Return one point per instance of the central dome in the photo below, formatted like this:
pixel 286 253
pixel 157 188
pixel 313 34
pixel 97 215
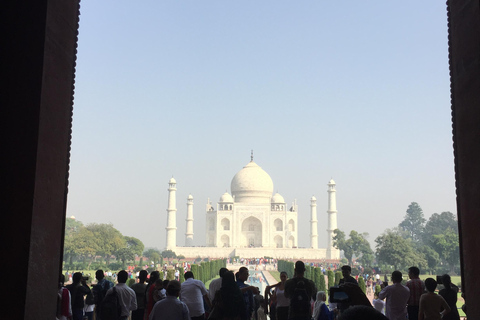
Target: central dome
pixel 252 184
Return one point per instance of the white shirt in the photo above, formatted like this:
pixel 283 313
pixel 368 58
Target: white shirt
pixel 192 292
pixel 126 298
pixel 379 305
pixel 397 297
pixel 215 285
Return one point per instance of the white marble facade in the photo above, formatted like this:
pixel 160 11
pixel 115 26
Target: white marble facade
pixel 250 221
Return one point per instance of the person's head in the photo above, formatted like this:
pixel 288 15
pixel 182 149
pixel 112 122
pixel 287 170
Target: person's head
pixel 321 296
pixel 447 281
pixel 396 276
pixel 413 272
pixel 188 275
pixel 283 276
pixel 165 283
pixel 362 313
pixel 142 276
pixel 154 276
pixel 222 271
pixel 430 284
pixel 237 275
pixel 99 274
pixel 159 284
pixel 299 268
pixel 173 288
pixel 243 274
pixel 346 271
pixel 228 279
pixel 122 276
pixel 77 277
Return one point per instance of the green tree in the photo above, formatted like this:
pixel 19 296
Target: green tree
pixel 413 223
pixel 331 278
pixel 393 249
pixel 338 277
pixel 438 223
pixel 342 243
pixel 447 246
pixel 169 254
pixel 135 245
pixel 361 284
pixel 357 244
pixel 125 254
pixel 109 239
pixel 153 254
pixel 72 225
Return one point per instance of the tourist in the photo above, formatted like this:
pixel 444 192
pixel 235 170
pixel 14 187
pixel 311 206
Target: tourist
pixel 139 289
pixel 397 297
pixel 229 303
pixel 154 276
pixel 64 305
pixel 432 305
pixel 100 290
pixel 346 271
pixel 78 290
pixel 282 302
pixel 378 304
pixel 292 287
pixel 170 308
pixel 247 290
pixel 193 293
pixel 126 296
pixel 216 284
pixel 417 288
pixel 449 293
pixel 320 309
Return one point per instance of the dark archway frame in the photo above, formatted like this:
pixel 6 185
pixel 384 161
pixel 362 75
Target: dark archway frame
pixel 37 66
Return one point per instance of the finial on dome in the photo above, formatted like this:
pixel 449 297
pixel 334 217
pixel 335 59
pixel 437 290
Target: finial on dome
pixel 251 156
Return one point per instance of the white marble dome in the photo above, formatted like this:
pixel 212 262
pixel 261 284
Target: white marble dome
pixel 252 184
pixel 277 198
pixel 226 197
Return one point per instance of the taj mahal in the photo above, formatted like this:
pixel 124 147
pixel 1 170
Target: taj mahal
pixel 252 222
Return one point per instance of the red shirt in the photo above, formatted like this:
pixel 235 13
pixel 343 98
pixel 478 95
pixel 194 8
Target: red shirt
pixel 417 288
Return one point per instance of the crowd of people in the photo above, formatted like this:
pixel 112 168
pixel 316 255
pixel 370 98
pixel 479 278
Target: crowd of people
pixel 230 297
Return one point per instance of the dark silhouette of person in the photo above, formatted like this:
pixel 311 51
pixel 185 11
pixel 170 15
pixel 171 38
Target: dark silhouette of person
pixel 449 293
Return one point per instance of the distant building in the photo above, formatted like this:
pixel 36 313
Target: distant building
pixel 251 222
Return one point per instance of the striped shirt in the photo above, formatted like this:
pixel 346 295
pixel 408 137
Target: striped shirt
pixel 417 288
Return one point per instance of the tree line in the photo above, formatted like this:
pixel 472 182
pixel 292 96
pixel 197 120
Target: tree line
pixel 431 245
pixel 86 244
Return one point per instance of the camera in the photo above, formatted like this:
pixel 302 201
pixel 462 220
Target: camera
pixel 85 278
pixel 439 280
pixel 338 295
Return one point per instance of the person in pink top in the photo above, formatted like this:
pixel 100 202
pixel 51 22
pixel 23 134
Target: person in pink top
pixel 417 288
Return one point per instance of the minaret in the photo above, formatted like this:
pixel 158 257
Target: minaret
pixel 313 223
pixel 189 232
pixel 332 253
pixel 171 216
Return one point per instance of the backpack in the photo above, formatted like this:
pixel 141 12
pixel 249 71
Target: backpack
pixel 89 299
pixel 300 301
pixel 110 308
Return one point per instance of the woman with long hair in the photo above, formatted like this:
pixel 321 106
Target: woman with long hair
pixel 228 303
pixel 278 296
pixel 449 293
pixel 154 276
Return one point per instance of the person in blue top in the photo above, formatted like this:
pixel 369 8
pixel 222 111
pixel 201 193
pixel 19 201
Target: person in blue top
pixel 320 309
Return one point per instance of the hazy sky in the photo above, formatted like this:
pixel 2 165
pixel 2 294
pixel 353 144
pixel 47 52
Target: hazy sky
pixel 351 90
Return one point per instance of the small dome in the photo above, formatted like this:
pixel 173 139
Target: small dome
pixel 226 197
pixel 313 198
pixel 331 181
pixel 172 181
pixel 277 198
pixel 190 197
pixel 252 184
